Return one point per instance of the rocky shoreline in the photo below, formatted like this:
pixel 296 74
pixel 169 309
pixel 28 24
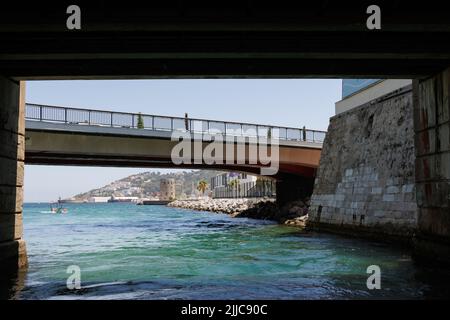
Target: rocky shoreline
pixel 294 213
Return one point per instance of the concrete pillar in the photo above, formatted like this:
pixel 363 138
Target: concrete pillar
pixel 432 140
pixel 12 141
pixel 292 188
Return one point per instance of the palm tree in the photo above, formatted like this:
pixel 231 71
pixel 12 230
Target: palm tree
pixel 235 186
pixel 202 186
pixel 233 183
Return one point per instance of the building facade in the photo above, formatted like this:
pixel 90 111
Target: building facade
pixel 99 199
pixel 241 185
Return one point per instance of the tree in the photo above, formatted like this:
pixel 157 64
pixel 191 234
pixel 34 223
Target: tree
pixel 140 121
pixel 202 186
pixel 233 183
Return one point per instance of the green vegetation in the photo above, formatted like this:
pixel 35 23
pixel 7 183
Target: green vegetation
pixel 233 183
pixel 140 121
pixel 202 186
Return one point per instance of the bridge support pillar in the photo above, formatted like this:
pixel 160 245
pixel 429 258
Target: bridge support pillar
pixel 12 141
pixel 432 140
pixel 292 188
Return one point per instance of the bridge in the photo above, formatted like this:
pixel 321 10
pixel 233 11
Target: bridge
pixel 226 39
pixel 72 136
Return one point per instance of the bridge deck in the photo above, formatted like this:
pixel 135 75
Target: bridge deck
pixel 68 136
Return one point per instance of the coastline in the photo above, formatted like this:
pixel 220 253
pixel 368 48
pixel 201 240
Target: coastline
pixel 293 214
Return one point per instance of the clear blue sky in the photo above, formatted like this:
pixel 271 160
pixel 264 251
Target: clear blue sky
pixel 295 103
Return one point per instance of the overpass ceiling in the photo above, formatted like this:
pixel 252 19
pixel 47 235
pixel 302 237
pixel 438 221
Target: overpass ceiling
pixel 223 39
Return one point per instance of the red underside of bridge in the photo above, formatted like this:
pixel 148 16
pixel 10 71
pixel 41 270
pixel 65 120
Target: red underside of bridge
pixel 45 158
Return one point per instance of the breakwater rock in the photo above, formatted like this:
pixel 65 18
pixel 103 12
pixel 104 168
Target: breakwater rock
pixel 294 213
pixel 228 206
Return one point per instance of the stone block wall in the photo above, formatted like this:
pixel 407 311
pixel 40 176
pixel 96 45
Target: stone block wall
pixel 432 126
pixel 366 182
pixel 12 156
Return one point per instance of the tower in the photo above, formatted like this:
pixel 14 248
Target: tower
pixel 167 189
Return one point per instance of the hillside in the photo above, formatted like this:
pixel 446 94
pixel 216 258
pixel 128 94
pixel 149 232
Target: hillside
pixel 146 184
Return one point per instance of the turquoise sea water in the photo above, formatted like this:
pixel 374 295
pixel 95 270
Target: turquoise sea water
pixel 126 251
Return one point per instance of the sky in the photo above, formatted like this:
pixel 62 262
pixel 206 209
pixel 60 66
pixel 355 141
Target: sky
pixel 283 102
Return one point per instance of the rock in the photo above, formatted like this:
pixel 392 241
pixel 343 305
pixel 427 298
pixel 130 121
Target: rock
pixel 298 222
pixel 294 213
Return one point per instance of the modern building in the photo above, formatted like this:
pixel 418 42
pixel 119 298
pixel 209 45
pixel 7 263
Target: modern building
pixel 356 92
pixel 98 199
pixel 241 185
pixel 224 179
pixel 123 199
pixel 167 188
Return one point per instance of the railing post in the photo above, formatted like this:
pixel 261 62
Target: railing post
pixel 65 115
pixel 132 121
pixel 111 119
pixel 153 122
pixel 89 117
pixel 304 133
pixel 40 113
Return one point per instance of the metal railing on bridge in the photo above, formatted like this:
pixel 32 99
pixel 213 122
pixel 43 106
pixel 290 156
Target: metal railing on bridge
pixel 254 189
pixel 79 116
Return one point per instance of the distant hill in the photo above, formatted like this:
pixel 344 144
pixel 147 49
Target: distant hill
pixel 145 185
